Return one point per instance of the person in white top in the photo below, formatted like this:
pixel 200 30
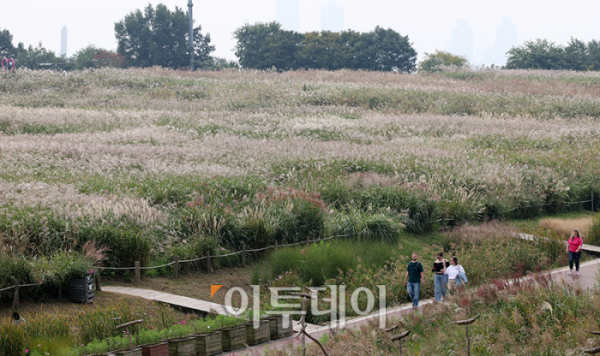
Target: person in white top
pixel 452 271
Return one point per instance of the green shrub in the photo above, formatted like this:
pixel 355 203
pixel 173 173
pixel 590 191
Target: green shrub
pixel 14 269
pixel 127 243
pixel 366 226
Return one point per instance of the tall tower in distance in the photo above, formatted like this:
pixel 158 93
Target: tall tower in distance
pixel 63 41
pixel 462 41
pixel 332 17
pixel 288 14
pixel 507 37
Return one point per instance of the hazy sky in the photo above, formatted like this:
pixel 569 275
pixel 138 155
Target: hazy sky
pixel 428 23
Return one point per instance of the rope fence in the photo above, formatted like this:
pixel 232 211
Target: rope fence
pixel 137 268
pixel 244 252
pixel 20 285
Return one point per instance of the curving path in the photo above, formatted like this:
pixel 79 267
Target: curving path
pixel 586 279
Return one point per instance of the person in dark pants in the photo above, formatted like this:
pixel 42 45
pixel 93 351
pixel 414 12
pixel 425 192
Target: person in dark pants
pixel 414 274
pixel 575 245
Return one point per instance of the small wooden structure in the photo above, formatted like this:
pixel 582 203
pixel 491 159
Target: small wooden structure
pixel 593 350
pixel 466 324
pixel 398 337
pixel 126 327
pixel 82 290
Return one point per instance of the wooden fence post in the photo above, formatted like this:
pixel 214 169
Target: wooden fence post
pixel 137 272
pixel 208 264
pixel 97 281
pixel 15 306
pixel 276 246
pixel 244 256
pixel 307 241
pixel 176 267
pixel 466 324
pixel 592 200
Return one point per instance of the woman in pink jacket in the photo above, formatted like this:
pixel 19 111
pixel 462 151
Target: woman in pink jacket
pixel 575 245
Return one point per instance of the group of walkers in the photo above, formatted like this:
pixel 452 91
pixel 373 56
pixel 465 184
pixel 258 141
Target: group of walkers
pixel 448 275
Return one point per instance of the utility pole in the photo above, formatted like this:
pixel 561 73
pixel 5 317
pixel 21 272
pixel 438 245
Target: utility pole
pixel 191 31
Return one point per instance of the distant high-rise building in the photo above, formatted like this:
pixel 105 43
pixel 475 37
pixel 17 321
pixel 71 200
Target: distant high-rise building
pixel 507 36
pixel 63 41
pixel 462 41
pixel 288 14
pixel 332 17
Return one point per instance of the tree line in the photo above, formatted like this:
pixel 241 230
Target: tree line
pixel 267 45
pixel 158 36
pixel 543 54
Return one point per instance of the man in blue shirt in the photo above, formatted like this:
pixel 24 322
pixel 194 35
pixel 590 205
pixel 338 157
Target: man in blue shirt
pixel 414 274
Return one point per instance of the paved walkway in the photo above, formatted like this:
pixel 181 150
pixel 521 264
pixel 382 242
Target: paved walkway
pixel 586 279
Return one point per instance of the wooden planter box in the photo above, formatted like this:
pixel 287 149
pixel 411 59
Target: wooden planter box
pixel 260 335
pixel 234 338
pixel 82 290
pixel 277 330
pixel 136 352
pixel 209 344
pixel 182 347
pixel 161 349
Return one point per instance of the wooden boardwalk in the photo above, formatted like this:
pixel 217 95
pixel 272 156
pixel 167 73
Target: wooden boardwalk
pixel 586 247
pixel 176 301
pixel 183 303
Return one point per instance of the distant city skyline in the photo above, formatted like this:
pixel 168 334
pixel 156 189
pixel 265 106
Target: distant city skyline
pixel 332 17
pixel 461 42
pixel 427 24
pixel 288 14
pixel 507 36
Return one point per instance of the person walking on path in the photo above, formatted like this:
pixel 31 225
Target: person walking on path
pixel 414 274
pixel 452 272
pixel 439 268
pixel 575 245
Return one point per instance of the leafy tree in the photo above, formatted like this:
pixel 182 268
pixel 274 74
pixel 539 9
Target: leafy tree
pixel 385 50
pixel 594 55
pixel 539 54
pixel 6 47
pixel 434 62
pixel 34 57
pixel 323 50
pixel 267 45
pixel 108 59
pixel 84 58
pixel 263 46
pixel 159 37
pixel 576 55
pixel 216 63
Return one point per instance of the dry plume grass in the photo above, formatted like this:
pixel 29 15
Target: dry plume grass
pixel 566 226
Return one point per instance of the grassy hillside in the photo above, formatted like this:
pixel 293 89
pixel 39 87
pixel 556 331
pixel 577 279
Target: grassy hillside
pixel 156 163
